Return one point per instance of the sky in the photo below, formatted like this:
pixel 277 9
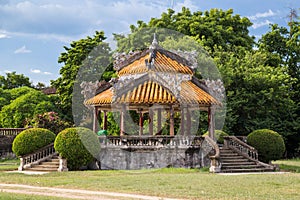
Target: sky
pixel 34 32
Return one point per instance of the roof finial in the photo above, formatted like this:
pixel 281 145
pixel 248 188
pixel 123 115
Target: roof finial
pixel 154 42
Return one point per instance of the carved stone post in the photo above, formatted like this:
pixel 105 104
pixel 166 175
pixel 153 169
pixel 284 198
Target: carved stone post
pixel 21 167
pixel 63 166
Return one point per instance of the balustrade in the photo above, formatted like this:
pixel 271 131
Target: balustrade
pixel 38 156
pixel 238 145
pixel 11 131
pixel 151 141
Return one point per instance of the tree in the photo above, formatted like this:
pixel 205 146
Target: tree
pixel 210 28
pixel 25 107
pixel 282 44
pixel 13 80
pixel 85 59
pixel 259 95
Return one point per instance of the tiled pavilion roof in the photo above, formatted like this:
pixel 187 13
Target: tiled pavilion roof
pixel 141 83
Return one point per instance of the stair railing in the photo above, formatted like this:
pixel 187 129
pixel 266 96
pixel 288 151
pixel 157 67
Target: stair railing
pixel 234 143
pixel 243 149
pixel 215 164
pixel 36 157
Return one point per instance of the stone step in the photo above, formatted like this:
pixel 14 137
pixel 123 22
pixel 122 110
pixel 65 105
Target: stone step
pixel 232 157
pixel 49 163
pixel 246 170
pixel 241 166
pixel 228 154
pixel 238 163
pixel 234 160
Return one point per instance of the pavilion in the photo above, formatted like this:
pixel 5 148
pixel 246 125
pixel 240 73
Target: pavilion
pixel 154 76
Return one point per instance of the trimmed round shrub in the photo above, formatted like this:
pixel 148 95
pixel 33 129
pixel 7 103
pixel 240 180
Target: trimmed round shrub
pixel 219 136
pixel 30 140
pixel 268 143
pixel 78 145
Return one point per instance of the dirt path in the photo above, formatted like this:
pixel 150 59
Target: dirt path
pixel 72 193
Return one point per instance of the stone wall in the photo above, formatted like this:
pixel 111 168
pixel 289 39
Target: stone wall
pixel 147 158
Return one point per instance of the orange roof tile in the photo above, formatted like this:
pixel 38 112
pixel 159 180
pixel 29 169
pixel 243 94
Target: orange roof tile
pixel 162 63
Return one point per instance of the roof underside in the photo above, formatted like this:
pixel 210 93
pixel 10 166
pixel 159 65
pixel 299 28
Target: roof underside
pixel 151 92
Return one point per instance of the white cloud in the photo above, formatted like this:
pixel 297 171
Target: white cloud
pixel 37 71
pixel 269 13
pixel 260 24
pixel 22 49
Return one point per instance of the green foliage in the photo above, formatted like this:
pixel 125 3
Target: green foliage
pixel 50 121
pixel 13 80
pixel 30 140
pixel 211 28
pixel 268 143
pixel 219 135
pixel 78 145
pixel 25 107
pixel 85 60
pixel 255 92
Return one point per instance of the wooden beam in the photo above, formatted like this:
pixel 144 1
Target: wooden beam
pixel 104 120
pixel 151 122
pixel 182 122
pixel 158 120
pixel 211 123
pixel 188 122
pixel 141 123
pixel 171 120
pixel 95 120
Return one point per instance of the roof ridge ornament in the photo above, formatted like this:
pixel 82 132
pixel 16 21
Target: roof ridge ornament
pixel 152 53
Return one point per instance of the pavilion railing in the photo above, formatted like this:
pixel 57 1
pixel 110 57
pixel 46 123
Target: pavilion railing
pixel 151 141
pixel 11 131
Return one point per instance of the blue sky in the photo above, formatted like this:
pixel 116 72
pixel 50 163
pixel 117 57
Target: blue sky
pixel 33 32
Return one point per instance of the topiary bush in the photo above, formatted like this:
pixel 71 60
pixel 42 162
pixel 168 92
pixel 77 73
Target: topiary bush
pixel 78 145
pixel 219 135
pixel 268 143
pixel 30 140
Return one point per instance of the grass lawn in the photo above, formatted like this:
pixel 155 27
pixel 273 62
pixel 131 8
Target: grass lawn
pixel 292 165
pixel 177 183
pixel 13 196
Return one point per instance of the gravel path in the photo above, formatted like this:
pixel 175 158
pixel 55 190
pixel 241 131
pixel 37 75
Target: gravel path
pixel 72 193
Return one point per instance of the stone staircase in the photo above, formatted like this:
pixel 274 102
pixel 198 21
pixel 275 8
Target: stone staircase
pixel 49 165
pixel 232 162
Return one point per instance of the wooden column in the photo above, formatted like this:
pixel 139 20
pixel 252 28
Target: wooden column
pixel 104 120
pixel 171 121
pixel 141 123
pixel 188 122
pixel 182 122
pixel 95 120
pixel 150 121
pixel 211 123
pixel 122 122
pixel 158 120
